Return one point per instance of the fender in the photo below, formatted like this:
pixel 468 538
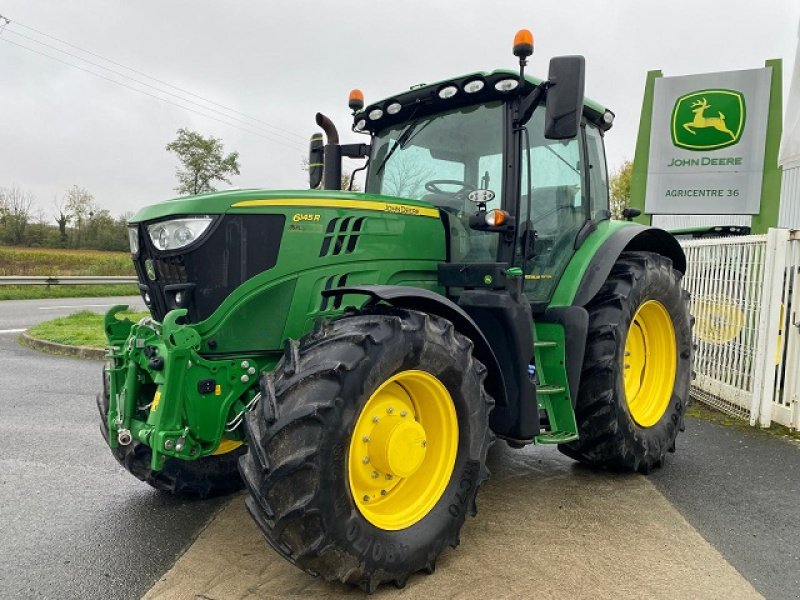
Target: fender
pixel 634 237
pixel 426 301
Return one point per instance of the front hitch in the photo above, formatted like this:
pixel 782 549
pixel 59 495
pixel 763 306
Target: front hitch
pixel 162 393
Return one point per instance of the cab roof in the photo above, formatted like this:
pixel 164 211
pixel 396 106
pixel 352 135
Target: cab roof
pixel 428 95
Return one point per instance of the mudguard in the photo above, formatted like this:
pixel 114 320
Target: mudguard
pixel 427 301
pixel 635 237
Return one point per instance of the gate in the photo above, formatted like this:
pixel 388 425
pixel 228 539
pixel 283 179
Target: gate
pixel 745 298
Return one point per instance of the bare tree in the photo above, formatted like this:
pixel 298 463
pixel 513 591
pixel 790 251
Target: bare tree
pixel 405 177
pixel 80 204
pixel 15 214
pixel 62 218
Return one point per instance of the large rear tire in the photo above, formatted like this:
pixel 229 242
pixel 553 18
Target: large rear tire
pixel 205 477
pixel 368 446
pixel 637 367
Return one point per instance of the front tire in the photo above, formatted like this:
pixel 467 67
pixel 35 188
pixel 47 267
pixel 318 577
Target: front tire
pixel 368 446
pixel 206 477
pixel 637 367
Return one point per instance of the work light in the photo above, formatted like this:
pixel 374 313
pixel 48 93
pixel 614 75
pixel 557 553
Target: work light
pixel 506 85
pixel 133 239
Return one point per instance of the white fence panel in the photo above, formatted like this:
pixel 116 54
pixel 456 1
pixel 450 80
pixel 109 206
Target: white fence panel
pixel 724 278
pixel 745 297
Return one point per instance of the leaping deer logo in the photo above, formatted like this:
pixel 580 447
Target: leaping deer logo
pixel 700 121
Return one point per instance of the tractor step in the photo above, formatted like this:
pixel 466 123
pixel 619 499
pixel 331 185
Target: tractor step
pixel 555 437
pixel 544 344
pixel 550 389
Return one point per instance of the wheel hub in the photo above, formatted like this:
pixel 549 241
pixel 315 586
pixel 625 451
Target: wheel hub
pixel 397 446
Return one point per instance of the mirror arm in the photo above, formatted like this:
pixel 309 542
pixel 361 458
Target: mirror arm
pixel 355 150
pixel 529 102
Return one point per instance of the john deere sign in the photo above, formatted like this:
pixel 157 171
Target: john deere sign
pixel 707 143
pixel 708 119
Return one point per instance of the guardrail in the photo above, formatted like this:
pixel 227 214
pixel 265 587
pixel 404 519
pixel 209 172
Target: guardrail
pixel 65 280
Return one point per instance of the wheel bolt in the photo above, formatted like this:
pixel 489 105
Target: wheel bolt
pixel 627 366
pixel 365 439
pixel 383 492
pixel 389 410
pixel 375 475
pixel 403 413
pixel 424 443
pixel 366 498
pixel 365 460
pixel 375 419
pixel 388 476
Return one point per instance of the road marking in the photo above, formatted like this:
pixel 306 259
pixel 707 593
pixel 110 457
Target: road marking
pixel 73 306
pixel 12 330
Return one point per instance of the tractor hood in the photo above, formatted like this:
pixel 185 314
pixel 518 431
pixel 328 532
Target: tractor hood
pixel 217 203
pixel 247 251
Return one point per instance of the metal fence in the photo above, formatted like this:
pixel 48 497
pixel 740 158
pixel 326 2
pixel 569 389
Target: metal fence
pixel 745 301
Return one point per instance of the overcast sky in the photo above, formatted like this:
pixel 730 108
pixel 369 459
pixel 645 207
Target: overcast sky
pixel 281 61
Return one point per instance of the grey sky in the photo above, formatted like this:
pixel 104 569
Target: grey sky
pixel 282 61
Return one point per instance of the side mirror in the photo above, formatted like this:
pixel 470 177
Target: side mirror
pixel 564 97
pixel 629 214
pixel 527 242
pixel 315 161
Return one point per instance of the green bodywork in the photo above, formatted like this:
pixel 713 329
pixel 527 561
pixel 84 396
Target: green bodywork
pixel 164 409
pixel 182 388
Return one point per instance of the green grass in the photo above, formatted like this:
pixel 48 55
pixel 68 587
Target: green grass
pixel 82 328
pixel 699 410
pixel 15 260
pixel 31 292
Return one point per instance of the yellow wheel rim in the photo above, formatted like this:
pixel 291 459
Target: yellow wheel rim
pixel 225 446
pixel 403 450
pixel 650 363
pixel 719 319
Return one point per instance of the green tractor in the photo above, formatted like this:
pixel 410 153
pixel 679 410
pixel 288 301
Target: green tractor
pixel 351 357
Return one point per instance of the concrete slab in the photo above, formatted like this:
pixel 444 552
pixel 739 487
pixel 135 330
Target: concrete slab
pixel 545 528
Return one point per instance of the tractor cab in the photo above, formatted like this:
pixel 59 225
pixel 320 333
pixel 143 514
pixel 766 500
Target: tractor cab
pixel 515 164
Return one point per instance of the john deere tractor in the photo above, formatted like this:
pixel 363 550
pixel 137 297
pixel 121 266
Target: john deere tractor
pixel 351 357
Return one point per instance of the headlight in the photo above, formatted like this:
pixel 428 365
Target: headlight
pixel 133 239
pixel 177 233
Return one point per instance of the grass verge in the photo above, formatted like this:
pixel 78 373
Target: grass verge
pixel 82 328
pixel 698 410
pixel 36 292
pixel 15 260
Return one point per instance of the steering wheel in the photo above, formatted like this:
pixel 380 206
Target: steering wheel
pixel 456 198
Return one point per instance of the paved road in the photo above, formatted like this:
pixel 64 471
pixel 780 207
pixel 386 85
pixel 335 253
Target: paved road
pixel 21 314
pixel 720 520
pixel 73 523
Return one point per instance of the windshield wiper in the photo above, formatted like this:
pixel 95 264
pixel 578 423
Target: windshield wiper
pixel 402 140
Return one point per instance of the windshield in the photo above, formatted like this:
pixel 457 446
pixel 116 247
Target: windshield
pixel 463 146
pixel 441 158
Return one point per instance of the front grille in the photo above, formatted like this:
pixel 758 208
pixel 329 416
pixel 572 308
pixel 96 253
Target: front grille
pixel 199 278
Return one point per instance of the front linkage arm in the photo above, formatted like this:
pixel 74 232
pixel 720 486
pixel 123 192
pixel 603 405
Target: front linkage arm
pixel 162 393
